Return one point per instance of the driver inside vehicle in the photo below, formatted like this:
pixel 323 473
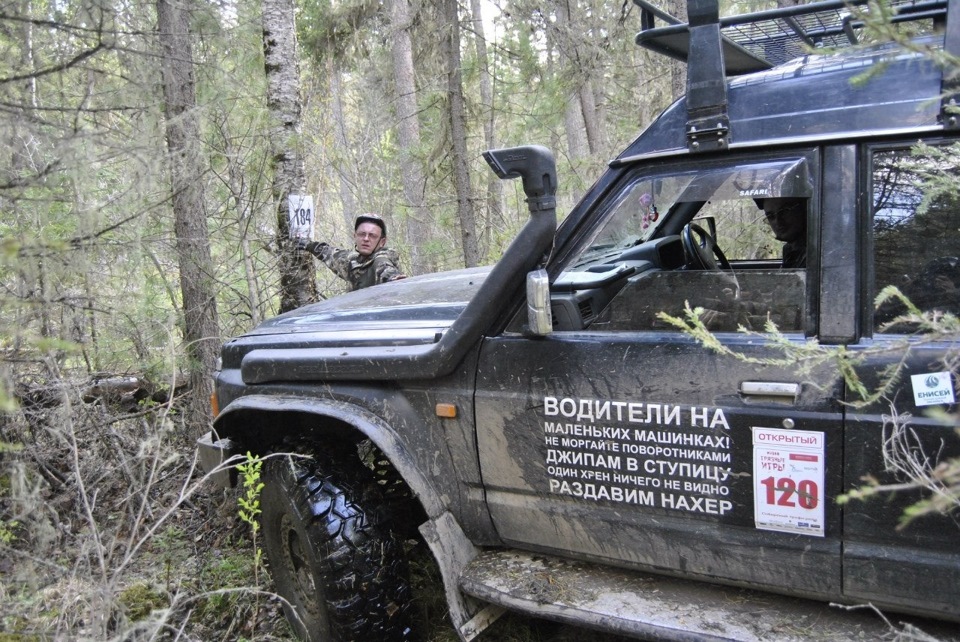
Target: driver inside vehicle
pixel 787 217
pixel 745 304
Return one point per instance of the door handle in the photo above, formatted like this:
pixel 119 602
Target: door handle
pixel 770 389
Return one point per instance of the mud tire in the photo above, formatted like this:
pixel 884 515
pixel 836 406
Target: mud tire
pixel 339 567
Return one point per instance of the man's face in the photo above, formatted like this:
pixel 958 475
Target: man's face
pixel 787 218
pixel 368 238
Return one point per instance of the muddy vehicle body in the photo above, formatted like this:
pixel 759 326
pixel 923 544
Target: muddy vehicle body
pixel 567 452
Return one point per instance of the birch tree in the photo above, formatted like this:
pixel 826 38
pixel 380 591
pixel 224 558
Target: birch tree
pixel 298 285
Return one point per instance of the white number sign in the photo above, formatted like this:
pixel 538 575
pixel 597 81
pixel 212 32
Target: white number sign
pixel 301 215
pixel 788 470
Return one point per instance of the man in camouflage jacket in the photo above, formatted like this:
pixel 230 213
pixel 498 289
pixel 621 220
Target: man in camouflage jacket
pixel 369 263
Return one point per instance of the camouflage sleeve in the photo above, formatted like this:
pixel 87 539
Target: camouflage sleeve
pixel 337 260
pixel 387 266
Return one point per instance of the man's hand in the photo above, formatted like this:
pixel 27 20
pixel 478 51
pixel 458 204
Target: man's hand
pixel 313 247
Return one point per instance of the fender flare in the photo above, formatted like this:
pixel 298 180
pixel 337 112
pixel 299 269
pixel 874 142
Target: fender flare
pixel 362 420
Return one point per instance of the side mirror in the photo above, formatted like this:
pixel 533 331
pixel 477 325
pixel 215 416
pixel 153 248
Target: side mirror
pixel 539 317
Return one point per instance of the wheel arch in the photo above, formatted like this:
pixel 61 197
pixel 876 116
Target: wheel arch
pixel 251 422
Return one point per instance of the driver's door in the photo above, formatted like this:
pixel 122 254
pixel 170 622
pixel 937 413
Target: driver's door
pixel 624 440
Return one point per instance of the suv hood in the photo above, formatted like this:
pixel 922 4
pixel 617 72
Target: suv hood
pixel 431 300
pixel 412 311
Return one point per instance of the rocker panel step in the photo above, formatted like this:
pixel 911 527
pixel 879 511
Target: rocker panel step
pixel 654 607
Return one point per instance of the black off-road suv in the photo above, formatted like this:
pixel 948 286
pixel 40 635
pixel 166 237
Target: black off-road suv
pixel 566 451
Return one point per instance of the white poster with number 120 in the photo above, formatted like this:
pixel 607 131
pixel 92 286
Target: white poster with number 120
pixel 788 492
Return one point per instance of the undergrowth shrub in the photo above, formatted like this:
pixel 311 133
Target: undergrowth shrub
pixel 109 531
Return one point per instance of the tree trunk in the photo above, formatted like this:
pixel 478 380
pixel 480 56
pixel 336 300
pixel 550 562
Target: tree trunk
pixel 345 177
pixel 408 135
pixel 458 135
pixel 591 120
pixel 201 333
pixel 578 147
pixel 600 111
pixel 494 191
pixel 298 283
pixel 578 144
pixel 678 70
pixel 576 64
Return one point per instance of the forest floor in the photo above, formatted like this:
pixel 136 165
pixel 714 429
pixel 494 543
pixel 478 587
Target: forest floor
pixel 109 531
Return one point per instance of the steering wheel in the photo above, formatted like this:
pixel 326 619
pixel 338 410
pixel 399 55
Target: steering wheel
pixel 700 250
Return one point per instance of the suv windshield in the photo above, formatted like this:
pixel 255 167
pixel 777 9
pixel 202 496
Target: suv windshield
pixel 641 210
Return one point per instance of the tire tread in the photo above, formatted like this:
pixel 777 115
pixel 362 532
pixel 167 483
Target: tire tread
pixel 361 563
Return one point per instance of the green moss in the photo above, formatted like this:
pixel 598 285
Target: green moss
pixel 21 629
pixel 139 600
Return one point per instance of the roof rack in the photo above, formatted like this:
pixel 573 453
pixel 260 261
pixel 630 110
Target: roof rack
pixel 764 39
pixel 716 47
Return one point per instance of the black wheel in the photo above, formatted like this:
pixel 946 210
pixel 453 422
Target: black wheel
pixel 700 250
pixel 342 571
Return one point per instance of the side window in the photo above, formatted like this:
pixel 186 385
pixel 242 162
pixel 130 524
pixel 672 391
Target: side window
pixel 916 230
pixel 730 240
